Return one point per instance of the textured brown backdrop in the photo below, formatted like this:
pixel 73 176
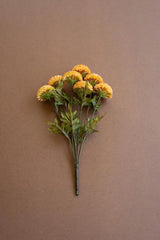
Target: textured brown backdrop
pixel 120 169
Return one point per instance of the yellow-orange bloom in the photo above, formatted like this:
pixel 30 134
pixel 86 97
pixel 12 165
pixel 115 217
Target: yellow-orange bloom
pixel 82 84
pixel 83 69
pixel 72 75
pixel 105 88
pixel 93 78
pixel 42 90
pixel 54 80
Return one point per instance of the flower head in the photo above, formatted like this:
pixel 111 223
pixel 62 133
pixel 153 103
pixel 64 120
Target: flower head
pixel 105 88
pixel 82 88
pixel 54 80
pixel 93 78
pixel 83 69
pixel 72 77
pixel 83 84
pixel 44 89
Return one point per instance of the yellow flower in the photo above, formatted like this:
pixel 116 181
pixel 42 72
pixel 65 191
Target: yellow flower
pixel 53 80
pixel 83 69
pixel 82 84
pixel 42 90
pixel 105 88
pixel 93 78
pixel 72 75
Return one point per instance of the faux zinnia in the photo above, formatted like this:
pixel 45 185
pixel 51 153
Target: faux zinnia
pixel 44 90
pixel 83 69
pixel 82 84
pixel 76 112
pixel 104 88
pixel 54 80
pixel 93 78
pixel 72 77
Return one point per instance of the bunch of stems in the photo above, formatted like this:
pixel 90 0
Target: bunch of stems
pixel 75 145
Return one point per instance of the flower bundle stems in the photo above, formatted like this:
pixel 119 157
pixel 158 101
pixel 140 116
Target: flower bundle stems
pixel 87 90
pixel 77 179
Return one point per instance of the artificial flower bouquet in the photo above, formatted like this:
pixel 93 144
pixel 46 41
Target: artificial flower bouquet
pixel 76 98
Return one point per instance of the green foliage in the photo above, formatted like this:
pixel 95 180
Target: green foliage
pixel 60 97
pixel 84 74
pixel 69 122
pixel 59 84
pixel 86 102
pixel 89 127
pixel 93 83
pixel 73 119
pixel 76 100
pixel 94 101
pixel 54 126
pixel 71 80
pixel 79 92
pixel 102 94
pixel 48 95
pixel 92 124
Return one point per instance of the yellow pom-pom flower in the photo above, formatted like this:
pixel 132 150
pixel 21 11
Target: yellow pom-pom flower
pixel 104 87
pixel 42 90
pixel 83 69
pixel 93 78
pixel 72 76
pixel 82 84
pixel 54 80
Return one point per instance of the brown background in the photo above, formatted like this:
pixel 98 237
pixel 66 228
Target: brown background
pixel 120 170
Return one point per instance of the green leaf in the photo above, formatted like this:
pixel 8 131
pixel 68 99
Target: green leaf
pixel 92 124
pixel 56 128
pixel 101 93
pixel 94 101
pixel 76 101
pixel 53 126
pixel 69 107
pixel 87 102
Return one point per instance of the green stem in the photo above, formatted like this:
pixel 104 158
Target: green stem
pixel 95 109
pixel 73 150
pixel 73 134
pixel 81 112
pixel 80 119
pixel 87 111
pixel 63 132
pixel 76 169
pixel 86 115
pixel 77 179
pixel 81 146
pixel 54 108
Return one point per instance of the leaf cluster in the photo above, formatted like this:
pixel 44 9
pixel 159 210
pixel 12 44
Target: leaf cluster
pixel 68 123
pixel 89 128
pixel 92 102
